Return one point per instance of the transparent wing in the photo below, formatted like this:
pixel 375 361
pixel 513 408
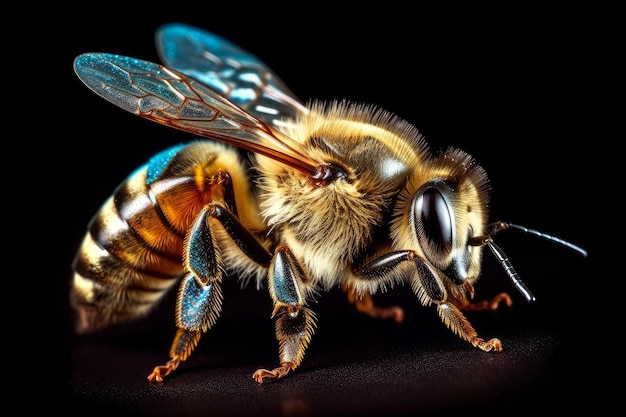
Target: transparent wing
pixel 169 97
pixel 230 70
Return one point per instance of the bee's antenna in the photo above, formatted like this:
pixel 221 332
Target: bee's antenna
pixel 510 271
pixel 494 228
pixel 547 237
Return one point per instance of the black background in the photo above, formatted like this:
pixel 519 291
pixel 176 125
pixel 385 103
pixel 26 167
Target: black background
pixel 498 85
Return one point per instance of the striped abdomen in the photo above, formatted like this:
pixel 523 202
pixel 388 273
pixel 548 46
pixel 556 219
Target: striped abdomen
pixel 133 250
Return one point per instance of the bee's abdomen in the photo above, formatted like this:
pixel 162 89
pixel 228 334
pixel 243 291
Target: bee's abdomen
pixel 132 252
pixel 108 290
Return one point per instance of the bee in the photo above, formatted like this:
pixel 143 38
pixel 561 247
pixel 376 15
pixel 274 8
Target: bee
pixel 299 198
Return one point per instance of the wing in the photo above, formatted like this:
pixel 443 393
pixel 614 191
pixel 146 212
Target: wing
pixel 230 70
pixel 169 97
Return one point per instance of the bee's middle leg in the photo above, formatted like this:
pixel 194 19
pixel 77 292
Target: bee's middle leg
pixel 295 323
pixel 364 303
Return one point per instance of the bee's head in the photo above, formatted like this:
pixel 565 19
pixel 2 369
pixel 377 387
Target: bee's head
pixel 442 207
pixel 442 215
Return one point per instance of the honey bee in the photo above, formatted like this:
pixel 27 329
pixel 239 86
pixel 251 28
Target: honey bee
pixel 299 198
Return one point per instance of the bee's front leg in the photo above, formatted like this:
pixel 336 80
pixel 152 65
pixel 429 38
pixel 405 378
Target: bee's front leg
pixel 427 286
pixel 369 277
pixel 295 323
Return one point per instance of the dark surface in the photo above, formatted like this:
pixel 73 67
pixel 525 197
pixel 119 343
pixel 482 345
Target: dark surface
pixel 354 365
pixel 492 88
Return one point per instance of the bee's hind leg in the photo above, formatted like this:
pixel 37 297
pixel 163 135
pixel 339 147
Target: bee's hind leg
pixel 197 309
pixel 199 300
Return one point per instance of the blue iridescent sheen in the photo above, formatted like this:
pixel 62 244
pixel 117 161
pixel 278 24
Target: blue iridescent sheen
pixel 160 161
pixel 233 72
pixel 183 47
pixel 201 249
pixel 196 303
pixel 285 286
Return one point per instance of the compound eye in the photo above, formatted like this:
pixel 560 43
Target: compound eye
pixel 436 221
